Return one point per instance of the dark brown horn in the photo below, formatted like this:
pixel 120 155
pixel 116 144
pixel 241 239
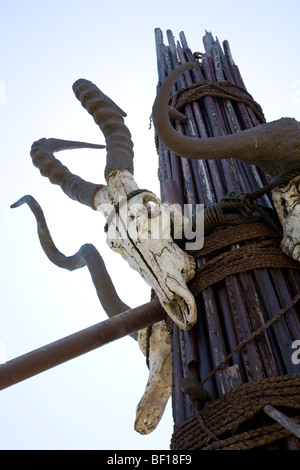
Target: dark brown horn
pixel 75 187
pixel 275 146
pixel 87 256
pixel 109 118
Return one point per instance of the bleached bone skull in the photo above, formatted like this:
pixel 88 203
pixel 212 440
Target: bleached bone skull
pixel 141 234
pixel 287 204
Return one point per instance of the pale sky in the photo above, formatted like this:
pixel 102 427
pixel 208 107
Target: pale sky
pixel 90 402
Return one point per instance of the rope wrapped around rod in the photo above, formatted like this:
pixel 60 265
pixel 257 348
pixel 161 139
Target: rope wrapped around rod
pixel 225 416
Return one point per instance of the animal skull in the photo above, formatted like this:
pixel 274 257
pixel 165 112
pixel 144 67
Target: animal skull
pixel 130 232
pixel 140 234
pixel 287 204
pixel 163 265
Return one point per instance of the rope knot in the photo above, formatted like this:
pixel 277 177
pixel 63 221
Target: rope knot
pixel 238 201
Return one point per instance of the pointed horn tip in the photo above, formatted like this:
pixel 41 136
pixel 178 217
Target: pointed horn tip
pixel 23 200
pixel 55 145
pixel 19 202
pixel 16 204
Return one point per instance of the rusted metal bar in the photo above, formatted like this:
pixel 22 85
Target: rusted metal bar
pixel 179 400
pixel 291 318
pixel 216 340
pixel 281 336
pixel 58 352
pixel 256 321
pixel 282 419
pixel 185 370
pixel 231 335
pixel 204 353
pixel 249 356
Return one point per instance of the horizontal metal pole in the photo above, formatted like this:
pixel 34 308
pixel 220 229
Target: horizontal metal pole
pixel 93 337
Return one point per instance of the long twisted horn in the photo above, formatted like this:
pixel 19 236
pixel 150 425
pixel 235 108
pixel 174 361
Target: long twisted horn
pixel 274 146
pixel 109 118
pixel 75 187
pixel 87 255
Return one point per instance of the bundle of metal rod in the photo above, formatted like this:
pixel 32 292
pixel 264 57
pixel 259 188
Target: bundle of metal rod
pixel 229 311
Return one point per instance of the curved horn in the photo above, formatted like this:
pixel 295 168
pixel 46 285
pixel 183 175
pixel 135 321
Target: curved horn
pixel 75 187
pixel 109 118
pixel 87 256
pixel 274 146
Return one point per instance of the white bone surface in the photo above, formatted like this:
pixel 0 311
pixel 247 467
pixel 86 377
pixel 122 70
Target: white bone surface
pixel 159 386
pixel 287 204
pixel 147 245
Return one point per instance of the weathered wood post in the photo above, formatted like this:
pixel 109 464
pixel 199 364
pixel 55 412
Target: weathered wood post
pixel 237 360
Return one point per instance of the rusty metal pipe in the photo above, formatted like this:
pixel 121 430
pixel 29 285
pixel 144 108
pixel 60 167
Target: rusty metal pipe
pixel 178 397
pixel 93 337
pixel 282 419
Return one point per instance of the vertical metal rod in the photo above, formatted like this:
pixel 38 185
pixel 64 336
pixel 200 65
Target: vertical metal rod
pixel 228 312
